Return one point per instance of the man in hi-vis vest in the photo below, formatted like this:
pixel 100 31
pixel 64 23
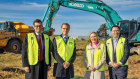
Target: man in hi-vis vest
pixel 64 53
pixel 118 51
pixel 36 57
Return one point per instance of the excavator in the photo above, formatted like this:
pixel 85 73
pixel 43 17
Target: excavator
pixel 128 29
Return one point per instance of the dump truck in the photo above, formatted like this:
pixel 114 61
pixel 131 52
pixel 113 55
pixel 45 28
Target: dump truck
pixel 12 35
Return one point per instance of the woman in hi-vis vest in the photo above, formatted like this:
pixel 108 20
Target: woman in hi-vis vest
pixel 94 58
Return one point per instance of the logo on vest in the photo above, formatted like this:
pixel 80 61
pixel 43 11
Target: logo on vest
pixel 99 48
pixel 70 42
pixel 32 38
pixel 90 48
pixel 107 43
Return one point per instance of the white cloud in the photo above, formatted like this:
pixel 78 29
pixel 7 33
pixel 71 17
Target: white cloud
pixel 36 4
pixel 123 4
pixel 25 6
pixel 25 12
pixel 16 17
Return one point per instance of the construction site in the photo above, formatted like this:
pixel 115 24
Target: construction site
pixel 12 35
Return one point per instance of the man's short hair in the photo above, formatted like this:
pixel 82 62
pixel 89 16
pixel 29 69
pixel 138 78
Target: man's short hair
pixel 37 20
pixel 115 26
pixel 65 24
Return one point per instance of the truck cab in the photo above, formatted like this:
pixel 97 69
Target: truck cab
pixel 9 40
pixel 8 26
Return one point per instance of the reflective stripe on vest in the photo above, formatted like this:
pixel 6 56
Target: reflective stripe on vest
pixel 97 56
pixel 65 51
pixel 119 49
pixel 33 47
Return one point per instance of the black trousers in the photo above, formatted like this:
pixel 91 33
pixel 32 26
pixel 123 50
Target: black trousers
pixel 54 72
pixel 38 71
pixel 118 73
pixel 41 70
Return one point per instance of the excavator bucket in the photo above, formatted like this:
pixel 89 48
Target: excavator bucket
pixel 50 33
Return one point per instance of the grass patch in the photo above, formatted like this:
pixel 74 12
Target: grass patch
pixel 10 60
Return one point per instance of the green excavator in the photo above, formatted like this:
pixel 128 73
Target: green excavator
pixel 128 29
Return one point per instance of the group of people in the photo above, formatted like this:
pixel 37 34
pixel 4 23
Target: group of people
pixel 37 48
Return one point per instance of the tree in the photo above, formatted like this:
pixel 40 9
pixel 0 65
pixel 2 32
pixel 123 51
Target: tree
pixel 102 32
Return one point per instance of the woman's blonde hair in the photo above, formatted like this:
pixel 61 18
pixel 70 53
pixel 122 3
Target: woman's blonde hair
pixel 89 41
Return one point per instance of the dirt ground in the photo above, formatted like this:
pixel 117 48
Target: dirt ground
pixel 11 65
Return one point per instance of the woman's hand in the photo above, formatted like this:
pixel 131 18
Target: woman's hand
pixel 92 68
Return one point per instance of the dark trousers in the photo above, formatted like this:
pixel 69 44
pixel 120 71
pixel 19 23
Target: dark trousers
pixel 41 70
pixel 37 71
pixel 62 78
pixel 67 75
pixel 54 69
pixel 118 73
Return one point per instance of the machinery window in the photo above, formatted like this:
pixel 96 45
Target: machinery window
pixel 1 26
pixel 124 29
pixel 133 27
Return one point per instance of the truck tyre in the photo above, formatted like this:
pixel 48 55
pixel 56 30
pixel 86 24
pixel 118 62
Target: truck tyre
pixel 1 50
pixel 14 46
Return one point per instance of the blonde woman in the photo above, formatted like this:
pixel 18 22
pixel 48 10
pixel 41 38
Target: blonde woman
pixel 94 58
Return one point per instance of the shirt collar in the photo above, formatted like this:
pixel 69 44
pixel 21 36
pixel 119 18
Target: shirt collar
pixel 95 44
pixel 98 45
pixel 37 33
pixel 64 36
pixel 115 40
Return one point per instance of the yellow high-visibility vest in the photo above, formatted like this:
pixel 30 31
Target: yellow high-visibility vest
pixel 65 51
pixel 97 56
pixel 119 49
pixel 33 47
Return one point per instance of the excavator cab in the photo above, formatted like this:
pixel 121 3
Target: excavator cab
pixel 129 29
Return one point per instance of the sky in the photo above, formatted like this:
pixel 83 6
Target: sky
pixel 81 22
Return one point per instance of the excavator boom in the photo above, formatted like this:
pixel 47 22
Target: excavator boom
pixel 97 7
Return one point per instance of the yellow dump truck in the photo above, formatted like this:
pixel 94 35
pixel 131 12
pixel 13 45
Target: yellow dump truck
pixel 12 34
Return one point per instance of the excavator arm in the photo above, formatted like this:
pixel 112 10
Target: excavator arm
pixel 128 29
pixel 98 7
pixel 50 12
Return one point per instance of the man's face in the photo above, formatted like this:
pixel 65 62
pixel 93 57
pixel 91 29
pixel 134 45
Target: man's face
pixel 38 27
pixel 115 32
pixel 65 29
